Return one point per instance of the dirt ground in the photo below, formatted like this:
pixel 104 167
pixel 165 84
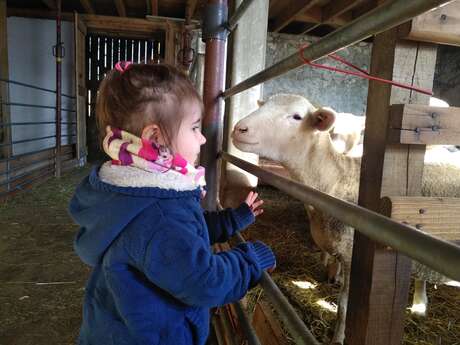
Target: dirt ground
pixel 42 280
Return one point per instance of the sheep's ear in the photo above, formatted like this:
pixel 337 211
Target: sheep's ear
pixel 322 119
pixel 260 102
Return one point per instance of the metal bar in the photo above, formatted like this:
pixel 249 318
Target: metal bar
pixel 213 86
pixel 238 14
pixel 20 186
pixel 380 19
pixel 25 154
pixel 439 255
pixel 59 57
pixel 36 106
pixel 245 324
pixel 248 330
pixel 25 174
pixel 27 140
pixel 10 124
pixel 26 165
pixel 33 87
pixel 288 315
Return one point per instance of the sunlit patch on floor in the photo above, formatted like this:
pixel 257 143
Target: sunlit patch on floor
pixel 304 285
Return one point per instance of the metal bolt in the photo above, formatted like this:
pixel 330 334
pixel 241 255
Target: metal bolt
pixel 418 226
pixel 422 211
pixel 434 115
pixel 443 17
pixel 417 130
pixel 435 128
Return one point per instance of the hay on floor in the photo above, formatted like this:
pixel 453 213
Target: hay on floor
pixel 301 277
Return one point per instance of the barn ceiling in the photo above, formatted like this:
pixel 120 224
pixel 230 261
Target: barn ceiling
pixel 316 17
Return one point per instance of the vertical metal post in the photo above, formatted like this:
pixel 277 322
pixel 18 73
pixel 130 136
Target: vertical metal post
pixel 214 35
pixel 59 57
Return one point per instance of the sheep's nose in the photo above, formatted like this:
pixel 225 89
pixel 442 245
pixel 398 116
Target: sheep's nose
pixel 242 129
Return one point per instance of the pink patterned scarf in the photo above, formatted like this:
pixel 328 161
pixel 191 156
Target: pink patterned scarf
pixel 126 149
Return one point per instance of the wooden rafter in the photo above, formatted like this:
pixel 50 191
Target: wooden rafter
pixel 291 9
pixel 88 6
pixel 121 8
pixel 51 4
pixel 190 10
pixel 30 13
pixel 338 7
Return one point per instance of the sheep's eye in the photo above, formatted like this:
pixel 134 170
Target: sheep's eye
pixel 297 117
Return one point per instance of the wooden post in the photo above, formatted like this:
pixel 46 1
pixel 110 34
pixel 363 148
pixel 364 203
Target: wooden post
pixel 380 277
pixel 5 131
pixel 170 52
pixel 80 88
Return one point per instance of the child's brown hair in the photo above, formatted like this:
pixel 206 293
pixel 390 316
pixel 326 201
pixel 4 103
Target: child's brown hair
pixel 145 94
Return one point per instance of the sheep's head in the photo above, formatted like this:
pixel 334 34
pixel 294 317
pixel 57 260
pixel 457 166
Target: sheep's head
pixel 285 124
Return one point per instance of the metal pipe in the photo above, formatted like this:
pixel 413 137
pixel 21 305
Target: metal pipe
pixel 27 140
pixel 380 19
pixel 23 155
pixel 10 124
pixel 21 185
pixel 288 315
pixel 59 57
pixel 18 177
pixel 37 106
pixel 216 15
pixel 439 255
pixel 248 330
pixel 238 14
pixel 25 166
pixel 33 87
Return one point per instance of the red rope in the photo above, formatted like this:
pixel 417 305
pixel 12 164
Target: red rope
pixel 362 73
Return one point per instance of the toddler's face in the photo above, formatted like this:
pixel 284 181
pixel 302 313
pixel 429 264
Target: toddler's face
pixel 189 138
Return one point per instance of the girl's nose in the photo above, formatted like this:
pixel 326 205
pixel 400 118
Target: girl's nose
pixel 203 139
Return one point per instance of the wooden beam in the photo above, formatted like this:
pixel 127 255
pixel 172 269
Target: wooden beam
pixel 291 9
pixel 88 6
pixel 110 24
pixel 336 8
pixel 29 13
pixel 439 217
pixel 51 4
pixel 439 26
pixel 380 277
pixel 422 124
pixel 121 9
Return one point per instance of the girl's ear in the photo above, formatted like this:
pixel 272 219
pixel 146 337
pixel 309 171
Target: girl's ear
pixel 153 133
pixel 322 119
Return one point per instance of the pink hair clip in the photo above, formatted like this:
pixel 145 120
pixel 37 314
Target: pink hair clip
pixel 122 66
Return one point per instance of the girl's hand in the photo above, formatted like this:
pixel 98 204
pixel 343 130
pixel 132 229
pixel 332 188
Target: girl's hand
pixel 254 204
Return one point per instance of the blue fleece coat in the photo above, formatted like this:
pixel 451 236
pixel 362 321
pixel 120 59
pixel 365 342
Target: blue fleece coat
pixel 154 275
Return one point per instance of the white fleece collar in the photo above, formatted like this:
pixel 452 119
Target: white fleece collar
pixel 129 176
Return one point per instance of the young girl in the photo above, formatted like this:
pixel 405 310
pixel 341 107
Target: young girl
pixel 143 231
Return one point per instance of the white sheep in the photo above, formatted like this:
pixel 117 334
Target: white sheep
pixel 305 149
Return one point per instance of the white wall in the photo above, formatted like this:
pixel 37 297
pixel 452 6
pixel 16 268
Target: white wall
pixel 31 61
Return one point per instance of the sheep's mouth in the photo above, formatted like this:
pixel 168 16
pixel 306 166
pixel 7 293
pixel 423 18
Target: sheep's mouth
pixel 244 142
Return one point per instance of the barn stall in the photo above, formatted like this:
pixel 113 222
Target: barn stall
pixel 97 30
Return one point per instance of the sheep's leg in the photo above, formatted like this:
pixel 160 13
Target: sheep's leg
pixel 342 302
pixel 420 299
